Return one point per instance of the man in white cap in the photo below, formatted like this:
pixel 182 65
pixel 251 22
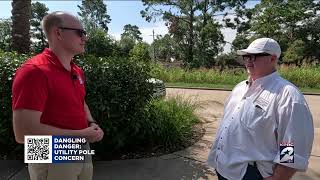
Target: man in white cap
pixel 267 128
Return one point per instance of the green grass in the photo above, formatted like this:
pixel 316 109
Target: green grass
pixel 201 85
pixel 307 78
pixel 226 87
pixel 170 121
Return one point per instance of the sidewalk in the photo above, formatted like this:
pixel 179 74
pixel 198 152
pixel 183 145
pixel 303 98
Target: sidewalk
pixel 185 164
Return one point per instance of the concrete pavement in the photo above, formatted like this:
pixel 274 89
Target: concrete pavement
pixel 186 164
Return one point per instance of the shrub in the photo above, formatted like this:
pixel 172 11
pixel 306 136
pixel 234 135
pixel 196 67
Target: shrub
pixel 9 62
pixel 99 43
pixel 140 52
pixel 169 123
pixel 117 92
pixel 121 101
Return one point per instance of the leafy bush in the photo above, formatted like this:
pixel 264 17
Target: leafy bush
pixel 9 62
pixel 121 101
pixel 294 53
pixel 99 43
pixel 117 92
pixel 5 34
pixel 140 52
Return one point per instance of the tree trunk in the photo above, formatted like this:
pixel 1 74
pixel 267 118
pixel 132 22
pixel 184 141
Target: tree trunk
pixel 21 13
pixel 190 37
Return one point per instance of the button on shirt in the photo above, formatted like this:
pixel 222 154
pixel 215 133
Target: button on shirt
pixel 256 120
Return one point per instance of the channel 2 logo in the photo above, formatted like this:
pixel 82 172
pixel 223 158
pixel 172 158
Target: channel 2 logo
pixel 286 152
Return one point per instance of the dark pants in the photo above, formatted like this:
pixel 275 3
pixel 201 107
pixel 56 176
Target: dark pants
pixel 252 173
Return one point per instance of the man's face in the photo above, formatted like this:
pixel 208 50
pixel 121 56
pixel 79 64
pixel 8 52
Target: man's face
pixel 259 65
pixel 73 36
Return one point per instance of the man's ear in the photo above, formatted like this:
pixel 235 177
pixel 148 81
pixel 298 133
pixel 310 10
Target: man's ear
pixel 274 59
pixel 56 32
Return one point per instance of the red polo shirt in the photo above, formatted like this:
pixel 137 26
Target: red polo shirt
pixel 44 85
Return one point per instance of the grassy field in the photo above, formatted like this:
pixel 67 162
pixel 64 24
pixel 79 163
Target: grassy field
pixel 306 78
pixel 226 87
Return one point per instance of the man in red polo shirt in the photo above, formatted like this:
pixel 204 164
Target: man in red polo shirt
pixel 48 96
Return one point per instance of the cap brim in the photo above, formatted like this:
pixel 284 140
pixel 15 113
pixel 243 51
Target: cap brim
pixel 249 51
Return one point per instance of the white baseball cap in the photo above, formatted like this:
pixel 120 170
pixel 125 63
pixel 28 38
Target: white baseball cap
pixel 262 45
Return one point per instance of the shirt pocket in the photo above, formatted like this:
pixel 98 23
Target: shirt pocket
pixel 253 116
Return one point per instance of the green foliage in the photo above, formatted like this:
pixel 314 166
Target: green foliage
pixel 117 93
pixel 129 38
pixel 132 32
pixel 285 21
pixel 310 34
pixel 227 60
pixel 162 48
pixel 120 100
pixel 231 77
pixel 125 46
pixel 5 34
pixel 196 35
pixel 140 53
pixel 240 42
pixel 94 15
pixel 304 77
pixel 38 11
pixel 99 43
pixel 209 44
pixel 9 62
pixel 169 123
pixel 294 53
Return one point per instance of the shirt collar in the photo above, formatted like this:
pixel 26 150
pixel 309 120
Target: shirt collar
pixel 53 59
pixel 264 80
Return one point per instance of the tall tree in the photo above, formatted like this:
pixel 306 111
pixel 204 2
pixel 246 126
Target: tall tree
pixel 100 44
pixel 94 15
pixel 162 48
pixel 38 11
pixel 129 38
pixel 132 32
pixel 310 34
pixel 191 23
pixel 21 12
pixel 287 21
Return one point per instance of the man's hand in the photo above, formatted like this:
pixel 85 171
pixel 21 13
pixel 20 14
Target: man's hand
pixel 281 172
pixel 93 133
pixel 100 132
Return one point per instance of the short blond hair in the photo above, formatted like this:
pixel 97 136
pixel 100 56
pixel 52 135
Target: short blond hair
pixel 51 20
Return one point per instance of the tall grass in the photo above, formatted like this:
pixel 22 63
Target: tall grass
pixel 204 76
pixel 304 77
pixel 170 121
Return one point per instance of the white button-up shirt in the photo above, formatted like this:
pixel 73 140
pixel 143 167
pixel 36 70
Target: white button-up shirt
pixel 256 120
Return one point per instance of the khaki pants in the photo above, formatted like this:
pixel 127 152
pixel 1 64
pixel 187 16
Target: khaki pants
pixel 62 171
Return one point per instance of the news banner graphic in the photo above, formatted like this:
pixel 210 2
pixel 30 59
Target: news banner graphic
pixel 56 149
pixel 286 152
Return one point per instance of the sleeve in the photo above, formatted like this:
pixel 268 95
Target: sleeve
pixel 29 89
pixel 295 129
